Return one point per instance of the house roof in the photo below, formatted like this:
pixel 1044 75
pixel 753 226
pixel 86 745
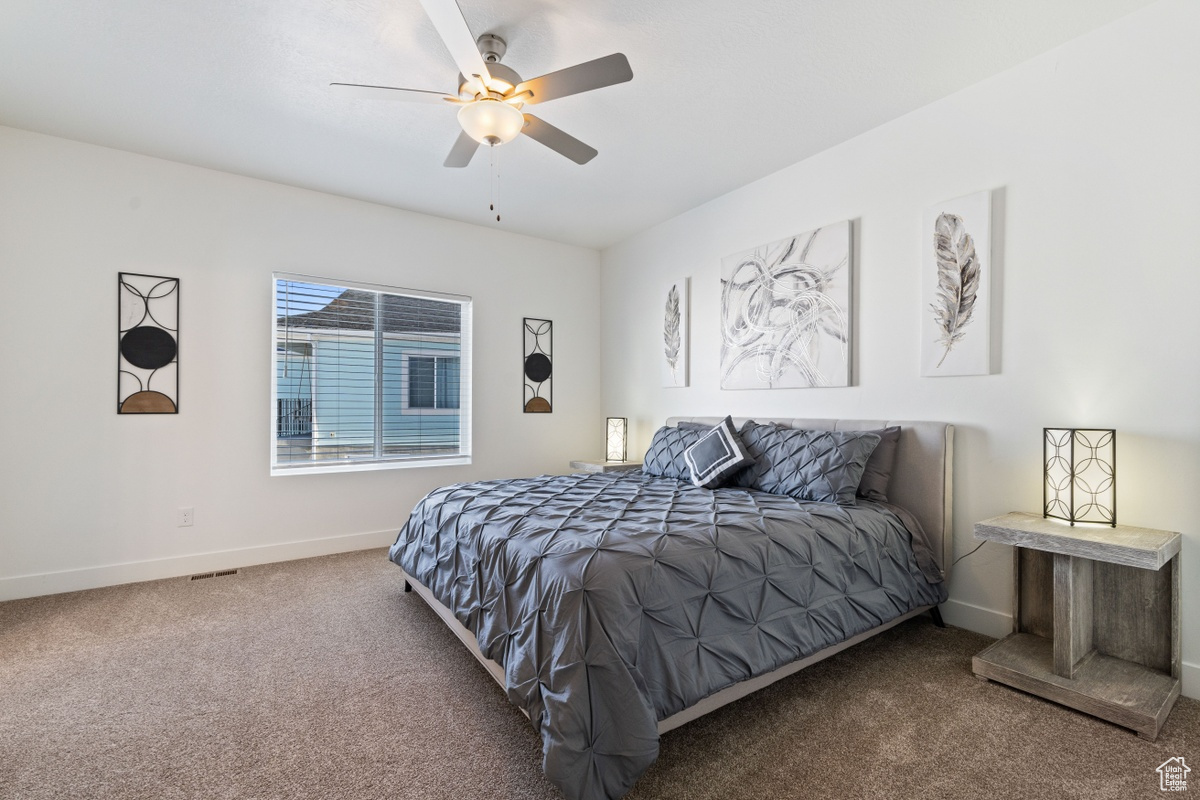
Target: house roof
pixel 354 309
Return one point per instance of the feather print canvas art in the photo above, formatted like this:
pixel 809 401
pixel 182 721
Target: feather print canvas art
pixel 674 345
pixel 955 278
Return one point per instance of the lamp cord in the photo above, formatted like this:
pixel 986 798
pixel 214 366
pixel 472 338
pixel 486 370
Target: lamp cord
pixel 964 555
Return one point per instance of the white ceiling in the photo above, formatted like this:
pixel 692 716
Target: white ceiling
pixel 723 92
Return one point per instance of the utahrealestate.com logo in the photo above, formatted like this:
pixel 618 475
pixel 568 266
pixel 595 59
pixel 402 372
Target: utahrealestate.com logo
pixel 1172 775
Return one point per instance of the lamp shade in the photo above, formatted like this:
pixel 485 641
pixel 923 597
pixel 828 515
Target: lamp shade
pixel 1080 475
pixel 491 122
pixel 615 429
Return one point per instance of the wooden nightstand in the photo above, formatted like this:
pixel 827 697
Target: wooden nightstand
pixel 605 466
pixel 1095 618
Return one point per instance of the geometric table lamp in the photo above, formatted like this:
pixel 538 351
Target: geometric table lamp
pixel 1080 482
pixel 615 429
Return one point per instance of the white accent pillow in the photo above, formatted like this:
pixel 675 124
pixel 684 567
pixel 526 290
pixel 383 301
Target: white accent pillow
pixel 717 456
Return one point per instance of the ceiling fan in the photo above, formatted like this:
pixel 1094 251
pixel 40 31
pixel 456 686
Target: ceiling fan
pixel 490 95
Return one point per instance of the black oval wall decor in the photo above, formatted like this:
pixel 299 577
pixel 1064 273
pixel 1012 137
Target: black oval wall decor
pixel 537 367
pixel 148 348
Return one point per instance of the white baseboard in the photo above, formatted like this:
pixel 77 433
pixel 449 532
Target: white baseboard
pixel 74 580
pixel 976 618
pixel 1190 678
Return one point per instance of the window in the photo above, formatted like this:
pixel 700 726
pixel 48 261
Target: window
pixel 433 382
pixel 368 377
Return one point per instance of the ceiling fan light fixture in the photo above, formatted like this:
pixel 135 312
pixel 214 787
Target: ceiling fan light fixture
pixel 490 121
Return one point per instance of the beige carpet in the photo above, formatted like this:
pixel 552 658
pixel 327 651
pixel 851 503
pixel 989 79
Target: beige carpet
pixel 322 679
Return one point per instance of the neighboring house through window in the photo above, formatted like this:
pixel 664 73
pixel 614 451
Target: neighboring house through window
pixel 368 377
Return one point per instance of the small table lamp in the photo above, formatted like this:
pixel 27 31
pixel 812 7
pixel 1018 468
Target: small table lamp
pixel 614 438
pixel 1080 482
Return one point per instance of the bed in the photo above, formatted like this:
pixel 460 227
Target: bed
pixel 612 607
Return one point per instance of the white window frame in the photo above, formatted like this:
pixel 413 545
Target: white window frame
pixel 462 457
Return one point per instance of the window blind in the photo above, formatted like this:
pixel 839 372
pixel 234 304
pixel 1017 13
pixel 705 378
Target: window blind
pixel 368 376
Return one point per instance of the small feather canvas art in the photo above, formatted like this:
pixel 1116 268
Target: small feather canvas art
pixel 674 345
pixel 955 282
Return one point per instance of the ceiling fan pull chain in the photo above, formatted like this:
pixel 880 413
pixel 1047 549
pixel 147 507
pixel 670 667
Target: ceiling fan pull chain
pixel 494 178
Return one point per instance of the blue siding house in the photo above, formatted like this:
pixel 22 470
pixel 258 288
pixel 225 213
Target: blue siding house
pixel 329 403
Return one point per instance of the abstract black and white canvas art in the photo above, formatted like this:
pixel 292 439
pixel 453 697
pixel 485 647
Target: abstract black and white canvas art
pixel 785 312
pixel 955 278
pixel 675 333
pixel 147 344
pixel 538 366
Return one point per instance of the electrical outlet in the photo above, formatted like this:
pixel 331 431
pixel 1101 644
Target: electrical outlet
pixel 186 517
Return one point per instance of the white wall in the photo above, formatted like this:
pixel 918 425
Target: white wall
pixel 90 497
pixel 1093 154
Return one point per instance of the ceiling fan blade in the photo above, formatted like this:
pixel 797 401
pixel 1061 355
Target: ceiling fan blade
pixel 541 131
pixel 460 154
pixel 448 19
pixel 579 78
pixel 368 92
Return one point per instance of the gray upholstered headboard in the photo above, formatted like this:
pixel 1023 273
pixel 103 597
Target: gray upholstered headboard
pixel 922 479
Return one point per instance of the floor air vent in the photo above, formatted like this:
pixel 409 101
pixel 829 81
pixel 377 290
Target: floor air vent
pixel 204 575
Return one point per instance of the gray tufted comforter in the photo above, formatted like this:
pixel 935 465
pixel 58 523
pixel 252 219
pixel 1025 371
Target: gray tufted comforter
pixel 615 600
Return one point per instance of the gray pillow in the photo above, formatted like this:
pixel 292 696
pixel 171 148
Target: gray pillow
pixel 878 472
pixel 821 466
pixel 717 456
pixel 695 426
pixel 665 456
